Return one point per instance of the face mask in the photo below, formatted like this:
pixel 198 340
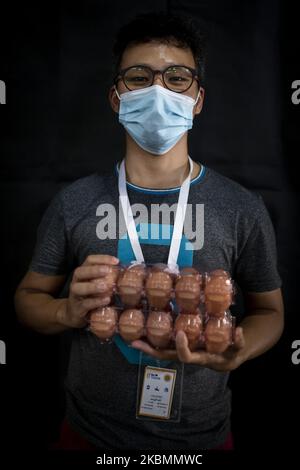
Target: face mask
pixel 155 117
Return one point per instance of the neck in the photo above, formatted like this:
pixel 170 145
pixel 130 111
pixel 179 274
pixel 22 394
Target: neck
pixel 158 172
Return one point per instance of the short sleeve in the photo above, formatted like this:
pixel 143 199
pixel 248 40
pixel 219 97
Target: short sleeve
pixel 256 266
pixel 51 255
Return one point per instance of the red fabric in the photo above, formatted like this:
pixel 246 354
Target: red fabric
pixel 71 440
pixel 228 444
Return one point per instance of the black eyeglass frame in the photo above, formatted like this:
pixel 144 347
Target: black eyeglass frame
pixel 120 76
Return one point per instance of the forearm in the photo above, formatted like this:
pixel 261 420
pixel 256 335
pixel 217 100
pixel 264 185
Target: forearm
pixel 40 311
pixel 262 329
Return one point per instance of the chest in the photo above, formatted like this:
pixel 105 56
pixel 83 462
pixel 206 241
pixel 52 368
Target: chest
pixel 208 239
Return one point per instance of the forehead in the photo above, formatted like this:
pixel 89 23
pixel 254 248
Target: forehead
pixel 157 55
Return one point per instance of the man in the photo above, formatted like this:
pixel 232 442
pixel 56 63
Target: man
pixel 157 93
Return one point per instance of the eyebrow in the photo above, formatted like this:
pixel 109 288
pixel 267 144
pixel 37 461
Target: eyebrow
pixel 172 64
pixel 151 65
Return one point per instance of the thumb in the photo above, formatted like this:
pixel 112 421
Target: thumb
pixel 239 339
pixel 182 347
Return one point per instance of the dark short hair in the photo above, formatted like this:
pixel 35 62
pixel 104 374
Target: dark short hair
pixel 179 30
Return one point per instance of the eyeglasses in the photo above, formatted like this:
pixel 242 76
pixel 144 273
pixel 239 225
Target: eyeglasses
pixel 178 78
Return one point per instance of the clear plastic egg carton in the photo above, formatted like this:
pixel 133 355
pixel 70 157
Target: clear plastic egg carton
pixel 154 302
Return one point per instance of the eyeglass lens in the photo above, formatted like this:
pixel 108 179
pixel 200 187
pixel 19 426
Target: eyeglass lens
pixel 176 78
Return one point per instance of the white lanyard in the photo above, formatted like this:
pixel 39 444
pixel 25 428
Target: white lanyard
pixel 178 222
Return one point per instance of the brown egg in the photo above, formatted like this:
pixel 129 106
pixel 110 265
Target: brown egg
pixel 192 326
pixel 159 329
pixel 188 290
pixel 111 281
pixel 218 335
pixel 159 287
pixel 221 273
pixel 218 293
pixel 191 271
pixel 130 285
pixel 111 278
pixel 131 324
pixel 103 322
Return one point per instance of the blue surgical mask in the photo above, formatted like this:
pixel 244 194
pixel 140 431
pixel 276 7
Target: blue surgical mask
pixel 155 117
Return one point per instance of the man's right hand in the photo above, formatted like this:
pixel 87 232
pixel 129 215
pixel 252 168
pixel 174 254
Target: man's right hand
pixel 88 290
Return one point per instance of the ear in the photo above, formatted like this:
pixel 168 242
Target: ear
pixel 113 99
pixel 198 106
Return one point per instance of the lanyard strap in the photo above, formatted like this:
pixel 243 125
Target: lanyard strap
pixel 178 222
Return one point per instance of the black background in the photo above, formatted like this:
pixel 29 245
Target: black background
pixel 57 126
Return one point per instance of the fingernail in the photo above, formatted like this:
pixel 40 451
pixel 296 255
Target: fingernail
pixel 101 285
pixel 103 269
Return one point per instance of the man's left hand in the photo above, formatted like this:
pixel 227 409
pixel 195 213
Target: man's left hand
pixel 229 360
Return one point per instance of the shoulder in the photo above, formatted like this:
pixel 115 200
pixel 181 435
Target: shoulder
pixel 86 185
pixel 83 191
pixel 232 196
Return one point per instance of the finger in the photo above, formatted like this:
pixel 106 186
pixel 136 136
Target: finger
pixel 239 339
pixel 218 362
pixel 92 304
pixel 182 347
pixel 85 273
pixel 167 354
pixel 100 259
pixel 83 289
pixel 203 358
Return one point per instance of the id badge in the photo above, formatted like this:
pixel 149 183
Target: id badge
pixel 159 393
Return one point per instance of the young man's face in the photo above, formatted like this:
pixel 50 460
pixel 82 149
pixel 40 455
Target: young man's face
pixel 157 56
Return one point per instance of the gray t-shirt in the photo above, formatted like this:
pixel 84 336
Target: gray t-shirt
pixel 227 227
